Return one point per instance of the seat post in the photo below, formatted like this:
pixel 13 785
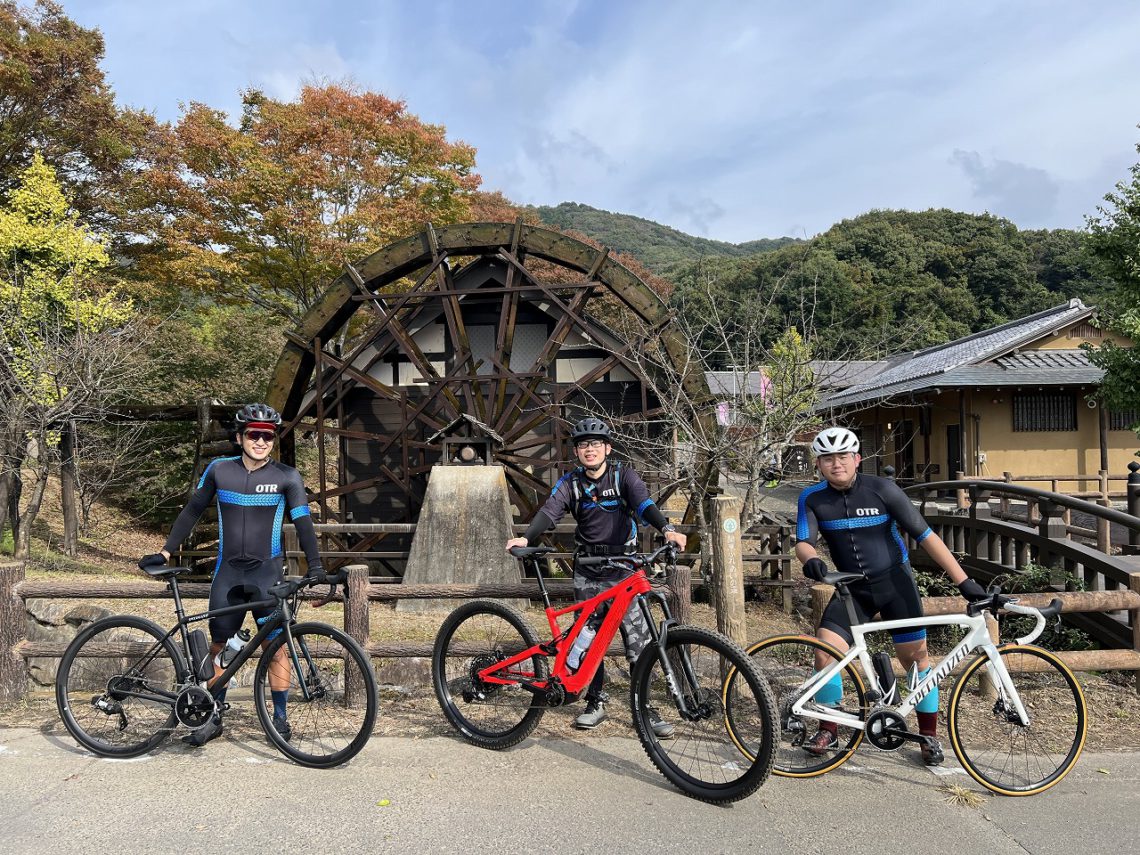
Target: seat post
pixel 848 603
pixel 541 582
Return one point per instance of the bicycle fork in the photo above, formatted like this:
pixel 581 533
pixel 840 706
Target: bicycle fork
pixel 688 704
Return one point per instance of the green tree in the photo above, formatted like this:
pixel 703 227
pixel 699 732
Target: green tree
pixel 54 100
pixel 62 343
pixel 1114 241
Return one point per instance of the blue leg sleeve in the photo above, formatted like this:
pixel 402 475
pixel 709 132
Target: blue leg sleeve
pixel 929 704
pixel 831 692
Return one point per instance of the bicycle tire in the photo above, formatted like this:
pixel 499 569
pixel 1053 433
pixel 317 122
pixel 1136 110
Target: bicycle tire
pixel 123 726
pixel 702 757
pixel 336 722
pixel 473 636
pixel 787 663
pixel 1000 754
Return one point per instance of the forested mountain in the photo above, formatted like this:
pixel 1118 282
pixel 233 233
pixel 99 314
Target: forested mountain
pixel 660 248
pixel 889 281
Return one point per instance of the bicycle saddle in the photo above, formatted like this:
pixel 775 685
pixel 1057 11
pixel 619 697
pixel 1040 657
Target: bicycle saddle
pixel 161 570
pixel 837 579
pixel 529 551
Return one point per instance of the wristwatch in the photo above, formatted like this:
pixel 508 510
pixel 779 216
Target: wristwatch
pixel 668 527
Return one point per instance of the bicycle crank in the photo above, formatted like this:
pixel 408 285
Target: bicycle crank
pixel 886 730
pixel 194 706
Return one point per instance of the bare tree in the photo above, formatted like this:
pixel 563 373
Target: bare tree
pixel 58 390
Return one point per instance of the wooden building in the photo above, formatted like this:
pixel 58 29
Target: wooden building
pixel 1019 398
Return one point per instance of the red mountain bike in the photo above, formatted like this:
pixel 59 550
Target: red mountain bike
pixel 493 680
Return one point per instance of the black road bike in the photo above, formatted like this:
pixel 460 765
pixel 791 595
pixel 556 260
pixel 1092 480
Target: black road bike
pixel 124 685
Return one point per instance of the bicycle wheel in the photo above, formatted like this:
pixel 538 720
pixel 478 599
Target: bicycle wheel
pixel 719 684
pixel 331 701
pixel 116 685
pixel 475 635
pixel 788 662
pixel 993 747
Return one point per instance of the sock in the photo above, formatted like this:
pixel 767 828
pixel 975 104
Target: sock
pixel 928 723
pixel 279 701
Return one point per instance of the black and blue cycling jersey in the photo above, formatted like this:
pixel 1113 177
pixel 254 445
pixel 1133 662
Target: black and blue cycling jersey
pixel 607 509
pixel 252 505
pixel 860 524
pixel 251 510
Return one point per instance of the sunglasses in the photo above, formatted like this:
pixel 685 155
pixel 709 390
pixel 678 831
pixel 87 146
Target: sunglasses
pixel 260 435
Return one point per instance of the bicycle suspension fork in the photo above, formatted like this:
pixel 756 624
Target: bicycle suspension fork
pixel 658 637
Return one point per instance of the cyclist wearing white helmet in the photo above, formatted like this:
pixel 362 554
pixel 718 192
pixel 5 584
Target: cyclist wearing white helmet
pixel 859 518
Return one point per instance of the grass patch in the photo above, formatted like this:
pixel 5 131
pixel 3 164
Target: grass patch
pixel 959 796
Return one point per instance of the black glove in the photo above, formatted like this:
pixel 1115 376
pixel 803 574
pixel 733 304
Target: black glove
pixel 972 591
pixel 815 569
pixel 316 575
pixel 155 559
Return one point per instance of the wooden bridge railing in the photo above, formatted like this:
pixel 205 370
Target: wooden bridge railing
pixel 989 547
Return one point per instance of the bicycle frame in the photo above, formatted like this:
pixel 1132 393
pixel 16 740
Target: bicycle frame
pixel 620 596
pixel 217 685
pixel 977 638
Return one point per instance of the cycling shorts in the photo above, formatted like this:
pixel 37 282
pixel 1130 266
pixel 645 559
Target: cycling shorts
pixel 241 581
pixel 891 596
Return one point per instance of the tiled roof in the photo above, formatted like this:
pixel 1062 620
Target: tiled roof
pixel 829 374
pixel 942 365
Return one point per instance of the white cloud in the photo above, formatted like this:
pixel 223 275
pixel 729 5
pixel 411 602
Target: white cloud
pixel 733 120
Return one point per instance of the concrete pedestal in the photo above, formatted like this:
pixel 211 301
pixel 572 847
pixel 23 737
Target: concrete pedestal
pixel 463 526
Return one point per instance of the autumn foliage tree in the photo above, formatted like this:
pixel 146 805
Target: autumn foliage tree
pixel 267 212
pixel 54 100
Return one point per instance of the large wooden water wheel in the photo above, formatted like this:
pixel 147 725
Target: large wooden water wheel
pixel 495 330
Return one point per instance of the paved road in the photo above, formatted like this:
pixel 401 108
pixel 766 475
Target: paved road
pixel 438 794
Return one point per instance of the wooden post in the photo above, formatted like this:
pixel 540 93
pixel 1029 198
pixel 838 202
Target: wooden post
pixel 1103 542
pixel 292 544
pixel 679 581
pixel 1134 585
pixel 820 597
pixel 728 568
pixel 356 624
pixel 1052 527
pixel 1133 547
pixel 13 631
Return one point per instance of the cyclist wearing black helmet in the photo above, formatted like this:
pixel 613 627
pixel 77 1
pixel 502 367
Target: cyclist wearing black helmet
pixel 254 494
pixel 607 499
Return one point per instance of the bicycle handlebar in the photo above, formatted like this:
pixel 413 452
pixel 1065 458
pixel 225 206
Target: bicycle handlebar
pixel 289 585
pixel 996 602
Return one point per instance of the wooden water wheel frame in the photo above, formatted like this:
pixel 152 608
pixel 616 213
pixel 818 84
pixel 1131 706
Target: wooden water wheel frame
pixel 310 381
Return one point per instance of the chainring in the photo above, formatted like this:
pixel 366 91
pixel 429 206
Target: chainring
pixel 879 726
pixel 194 706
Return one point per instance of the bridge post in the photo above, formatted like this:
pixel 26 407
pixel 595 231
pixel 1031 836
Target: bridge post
pixel 1133 547
pixel 1051 526
pixel 979 541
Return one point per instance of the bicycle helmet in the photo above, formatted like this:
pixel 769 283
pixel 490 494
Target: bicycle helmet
pixel 835 440
pixel 591 428
pixel 257 415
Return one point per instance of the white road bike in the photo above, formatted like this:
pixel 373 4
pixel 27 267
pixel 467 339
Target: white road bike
pixel 1015 714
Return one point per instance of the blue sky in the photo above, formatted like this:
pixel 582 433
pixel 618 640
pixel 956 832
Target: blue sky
pixel 732 120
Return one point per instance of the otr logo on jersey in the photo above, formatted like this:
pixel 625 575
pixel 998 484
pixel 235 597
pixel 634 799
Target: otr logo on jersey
pixel 867 512
pixel 266 488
